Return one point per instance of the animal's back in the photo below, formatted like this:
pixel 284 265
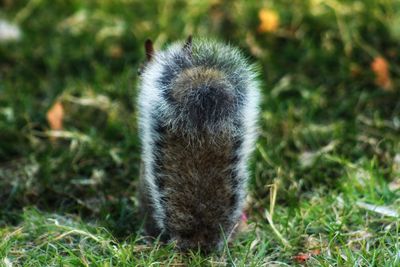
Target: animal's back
pixel 198 178
pixel 198 107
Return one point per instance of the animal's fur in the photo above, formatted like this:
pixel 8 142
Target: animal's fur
pixel 198 106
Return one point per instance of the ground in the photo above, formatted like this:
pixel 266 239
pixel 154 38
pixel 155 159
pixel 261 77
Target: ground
pixel 325 184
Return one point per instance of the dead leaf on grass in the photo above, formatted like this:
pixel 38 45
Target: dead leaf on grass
pixel 380 67
pixel 55 116
pixel 269 20
pixel 303 257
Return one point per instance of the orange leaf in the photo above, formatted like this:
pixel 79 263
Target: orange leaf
pixel 301 257
pixel 382 76
pixel 55 116
pixel 269 20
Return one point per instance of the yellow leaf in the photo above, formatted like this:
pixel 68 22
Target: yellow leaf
pixel 269 20
pixel 55 116
pixel 382 75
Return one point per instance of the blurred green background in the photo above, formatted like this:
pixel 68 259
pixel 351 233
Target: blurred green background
pixel 329 139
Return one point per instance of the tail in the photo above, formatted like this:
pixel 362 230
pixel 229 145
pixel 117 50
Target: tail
pixel 199 86
pixel 204 96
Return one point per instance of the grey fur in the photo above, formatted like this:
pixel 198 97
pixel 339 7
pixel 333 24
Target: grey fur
pixel 198 107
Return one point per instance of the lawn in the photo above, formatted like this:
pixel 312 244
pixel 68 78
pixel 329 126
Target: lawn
pixel 325 183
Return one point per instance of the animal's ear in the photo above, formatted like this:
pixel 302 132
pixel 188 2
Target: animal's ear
pixel 187 47
pixel 148 45
pixel 188 43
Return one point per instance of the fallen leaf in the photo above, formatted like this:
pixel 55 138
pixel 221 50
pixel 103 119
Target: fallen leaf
pixel 303 257
pixel 269 20
pixel 55 116
pixel 380 67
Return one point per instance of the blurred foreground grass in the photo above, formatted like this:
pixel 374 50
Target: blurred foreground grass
pixel 329 145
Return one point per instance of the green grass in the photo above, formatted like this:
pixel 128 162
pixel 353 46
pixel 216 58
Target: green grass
pixel 329 141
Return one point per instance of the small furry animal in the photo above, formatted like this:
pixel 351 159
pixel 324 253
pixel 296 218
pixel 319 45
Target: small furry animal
pixel 198 107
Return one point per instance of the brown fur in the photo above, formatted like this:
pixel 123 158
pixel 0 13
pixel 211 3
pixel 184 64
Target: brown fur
pixel 196 141
pixel 197 188
pixel 197 77
pixel 202 98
